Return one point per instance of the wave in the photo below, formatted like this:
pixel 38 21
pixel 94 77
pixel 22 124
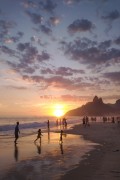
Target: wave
pixel 32 125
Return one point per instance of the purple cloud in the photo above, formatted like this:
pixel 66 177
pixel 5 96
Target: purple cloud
pixel 93 53
pixel 35 18
pixel 48 5
pixel 80 25
pixel 63 71
pixel 112 15
pixel 46 30
pixel 114 76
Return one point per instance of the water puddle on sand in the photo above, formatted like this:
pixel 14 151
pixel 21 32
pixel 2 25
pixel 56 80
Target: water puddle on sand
pixel 46 160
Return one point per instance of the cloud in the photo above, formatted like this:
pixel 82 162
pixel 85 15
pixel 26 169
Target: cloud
pixel 113 76
pixel 67 98
pixel 80 25
pixel 35 18
pixel 28 58
pixel 29 4
pixel 48 5
pixel 54 20
pixel 46 30
pixel 105 44
pixel 59 82
pixel 5 27
pixel 69 2
pixel 117 41
pixel 112 15
pixel 63 71
pixel 90 52
pixel 23 46
pixel 43 56
pixel 8 51
pixel 17 87
pixel 109 18
pixel 13 39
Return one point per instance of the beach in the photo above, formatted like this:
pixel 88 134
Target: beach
pixel 103 163
pixel 87 153
pixel 45 159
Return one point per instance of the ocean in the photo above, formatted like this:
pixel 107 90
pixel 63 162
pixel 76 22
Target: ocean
pixel 30 125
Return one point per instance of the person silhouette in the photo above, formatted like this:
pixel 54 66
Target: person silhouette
pixel 39 135
pixel 17 131
pixel 48 124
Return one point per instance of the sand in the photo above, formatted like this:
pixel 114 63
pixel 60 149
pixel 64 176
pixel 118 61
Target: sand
pixel 103 163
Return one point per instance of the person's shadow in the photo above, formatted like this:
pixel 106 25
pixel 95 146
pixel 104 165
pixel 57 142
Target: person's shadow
pixel 16 152
pixel 61 148
pixel 38 146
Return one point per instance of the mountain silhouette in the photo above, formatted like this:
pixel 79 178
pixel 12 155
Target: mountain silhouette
pixel 96 108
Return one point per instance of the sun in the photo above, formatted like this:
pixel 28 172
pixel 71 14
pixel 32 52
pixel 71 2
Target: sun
pixel 58 110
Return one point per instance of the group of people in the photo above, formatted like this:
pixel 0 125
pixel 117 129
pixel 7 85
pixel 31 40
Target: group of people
pixel 85 121
pixel 39 133
pixel 62 122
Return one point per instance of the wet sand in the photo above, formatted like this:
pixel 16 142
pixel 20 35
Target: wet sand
pixel 46 160
pixel 103 163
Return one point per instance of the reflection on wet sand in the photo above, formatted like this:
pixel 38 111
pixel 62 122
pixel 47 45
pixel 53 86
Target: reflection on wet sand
pixel 61 148
pixel 48 135
pixel 16 152
pixel 38 146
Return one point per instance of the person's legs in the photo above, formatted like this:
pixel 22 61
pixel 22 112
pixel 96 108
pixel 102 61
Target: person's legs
pixel 16 137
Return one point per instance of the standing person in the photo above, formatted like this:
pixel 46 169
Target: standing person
pixel 39 135
pixel 48 124
pixel 17 131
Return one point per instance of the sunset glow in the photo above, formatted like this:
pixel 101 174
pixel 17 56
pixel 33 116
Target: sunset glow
pixel 57 52
pixel 59 111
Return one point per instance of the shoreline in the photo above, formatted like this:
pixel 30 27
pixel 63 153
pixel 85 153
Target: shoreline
pixel 104 161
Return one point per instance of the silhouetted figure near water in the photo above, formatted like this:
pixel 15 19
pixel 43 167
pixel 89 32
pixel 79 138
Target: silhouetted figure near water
pixel 85 121
pixel 48 124
pixel 113 120
pixel 17 131
pixel 39 135
pixel 16 152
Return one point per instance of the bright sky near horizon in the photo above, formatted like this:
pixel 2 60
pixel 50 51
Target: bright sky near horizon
pixel 57 53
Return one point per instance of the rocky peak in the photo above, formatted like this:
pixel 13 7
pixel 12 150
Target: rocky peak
pixel 118 102
pixel 97 100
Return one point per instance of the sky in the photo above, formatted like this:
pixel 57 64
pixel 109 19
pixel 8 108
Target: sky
pixel 57 54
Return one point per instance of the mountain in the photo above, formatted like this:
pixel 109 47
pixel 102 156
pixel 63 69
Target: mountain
pixel 96 108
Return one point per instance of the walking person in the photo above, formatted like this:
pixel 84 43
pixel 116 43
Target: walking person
pixel 39 135
pixel 17 132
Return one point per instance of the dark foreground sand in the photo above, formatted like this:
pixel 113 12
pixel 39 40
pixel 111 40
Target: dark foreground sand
pixel 103 163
